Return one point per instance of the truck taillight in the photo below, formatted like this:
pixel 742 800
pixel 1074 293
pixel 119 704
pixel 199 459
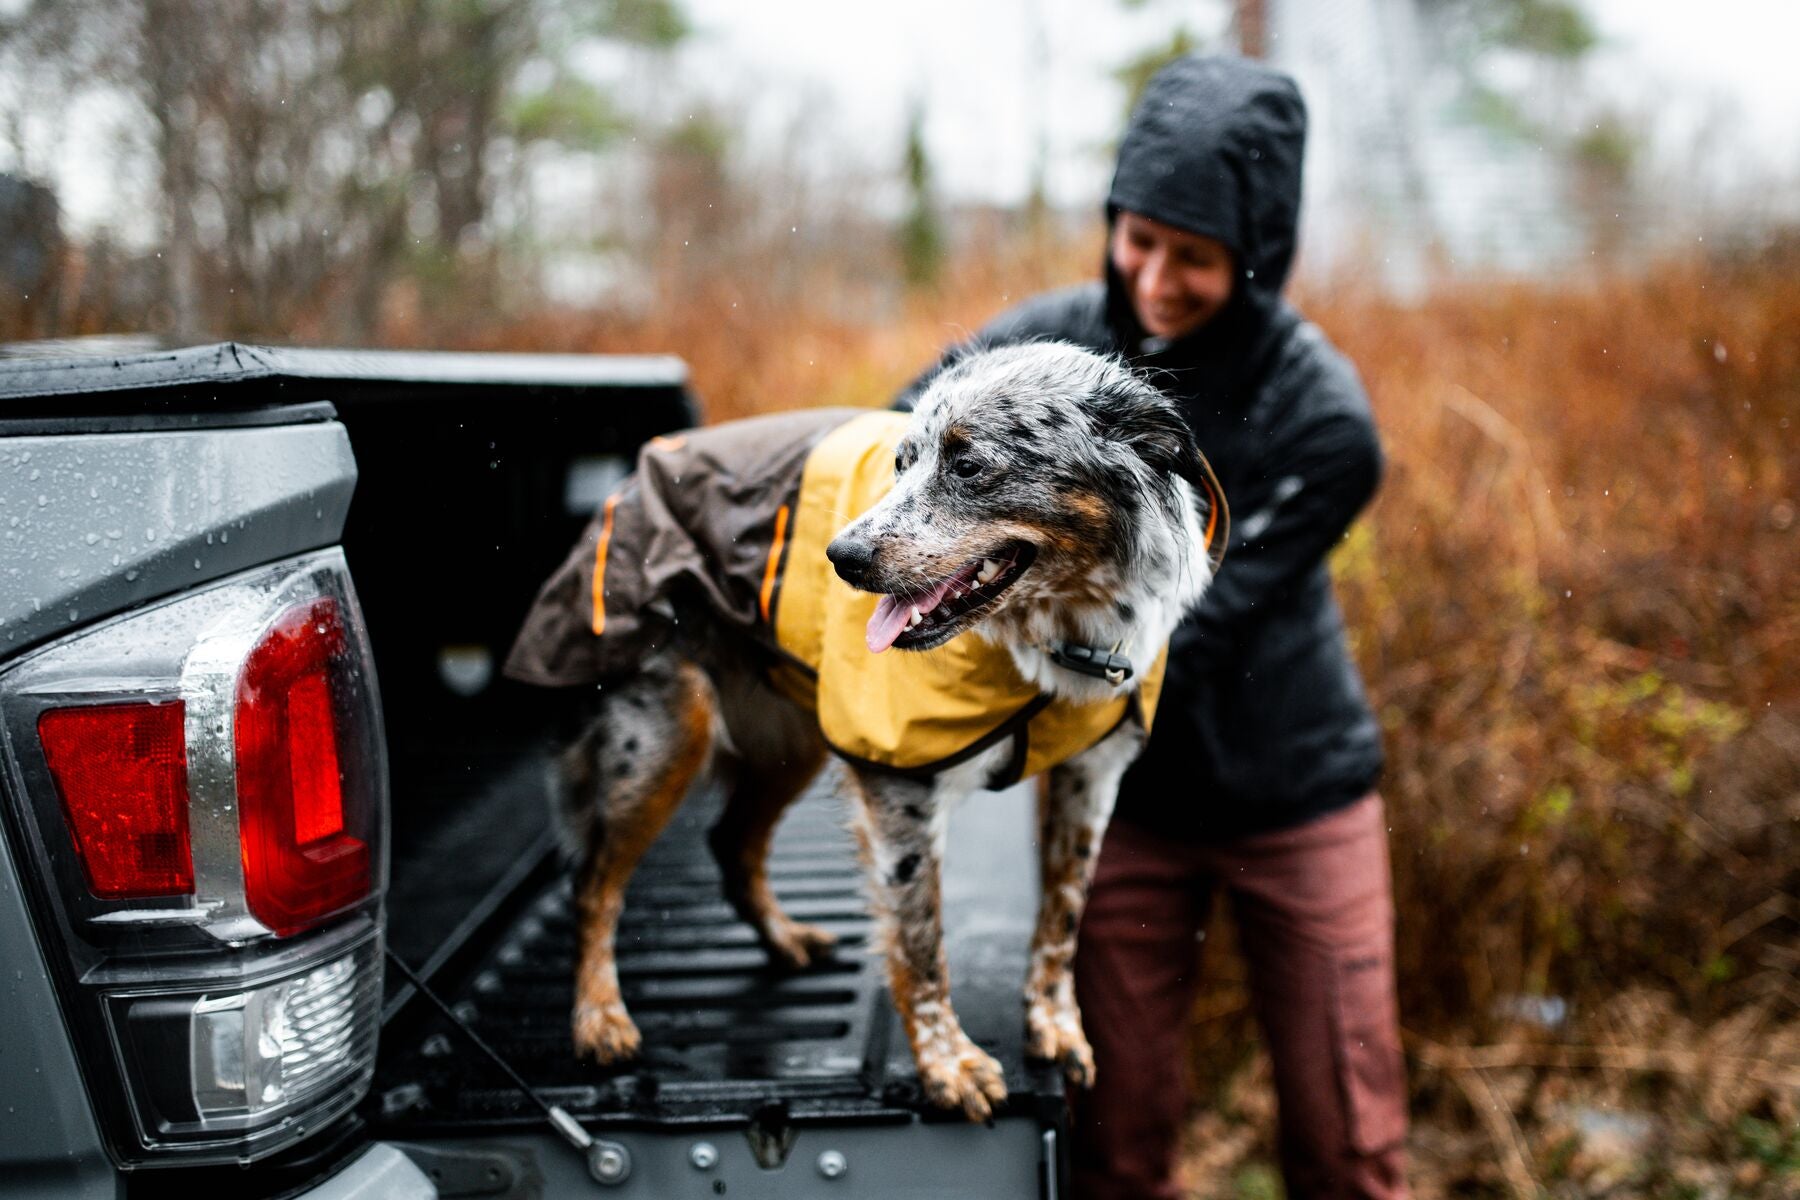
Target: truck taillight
pixel 200 791
pixel 121 774
pixel 304 860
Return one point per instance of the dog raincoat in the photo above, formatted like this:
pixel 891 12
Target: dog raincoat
pixel 740 515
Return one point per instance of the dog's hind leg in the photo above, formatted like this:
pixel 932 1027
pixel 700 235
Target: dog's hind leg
pixel 635 764
pixel 1076 806
pixel 778 752
pixel 740 842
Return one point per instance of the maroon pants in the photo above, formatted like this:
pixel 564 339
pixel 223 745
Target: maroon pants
pixel 1315 914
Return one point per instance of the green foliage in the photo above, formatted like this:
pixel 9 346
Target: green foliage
pixel 1498 113
pixel 702 135
pixel 1552 28
pixel 1775 1146
pixel 1134 76
pixel 1550 110
pixel 570 111
pixel 921 232
pixel 1549 809
pixel 1651 729
pixel 652 24
pixel 1556 1161
pixel 1257 1181
pixel 1609 147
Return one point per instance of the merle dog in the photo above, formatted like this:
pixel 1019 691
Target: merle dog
pixel 1045 501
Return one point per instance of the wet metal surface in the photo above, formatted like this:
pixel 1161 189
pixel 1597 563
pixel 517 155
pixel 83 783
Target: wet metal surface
pixel 726 1036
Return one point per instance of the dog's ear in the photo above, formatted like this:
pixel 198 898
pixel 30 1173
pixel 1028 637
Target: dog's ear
pixel 1147 421
pixel 1151 424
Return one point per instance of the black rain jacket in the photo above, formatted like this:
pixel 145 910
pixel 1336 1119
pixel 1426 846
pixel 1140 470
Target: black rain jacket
pixel 1263 723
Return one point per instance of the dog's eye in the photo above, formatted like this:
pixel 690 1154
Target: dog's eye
pixel 966 466
pixel 899 464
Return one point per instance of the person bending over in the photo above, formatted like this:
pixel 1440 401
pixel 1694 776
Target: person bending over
pixel 1258 780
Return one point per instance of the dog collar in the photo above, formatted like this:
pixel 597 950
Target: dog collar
pixel 1091 661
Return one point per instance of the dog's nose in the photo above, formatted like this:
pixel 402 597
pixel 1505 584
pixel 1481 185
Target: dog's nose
pixel 852 557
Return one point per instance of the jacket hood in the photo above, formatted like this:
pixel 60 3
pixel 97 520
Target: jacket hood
pixel 1215 148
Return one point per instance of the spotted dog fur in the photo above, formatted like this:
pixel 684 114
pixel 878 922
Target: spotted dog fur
pixel 1081 478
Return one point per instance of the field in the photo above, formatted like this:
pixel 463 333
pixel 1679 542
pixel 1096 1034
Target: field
pixel 1576 601
pixel 1577 604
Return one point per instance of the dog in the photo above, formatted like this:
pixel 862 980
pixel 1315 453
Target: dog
pixel 1016 554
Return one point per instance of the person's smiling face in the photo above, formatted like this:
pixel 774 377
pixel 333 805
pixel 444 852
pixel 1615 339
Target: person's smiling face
pixel 1177 281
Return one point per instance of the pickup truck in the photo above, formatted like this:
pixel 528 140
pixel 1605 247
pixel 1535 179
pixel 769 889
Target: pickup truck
pixel 281 913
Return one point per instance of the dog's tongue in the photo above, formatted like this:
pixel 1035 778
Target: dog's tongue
pixel 891 615
pixel 893 612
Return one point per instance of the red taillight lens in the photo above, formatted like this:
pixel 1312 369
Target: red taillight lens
pixel 121 773
pixel 302 859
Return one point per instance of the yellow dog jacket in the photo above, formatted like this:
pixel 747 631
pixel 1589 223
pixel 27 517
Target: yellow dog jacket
pixel 739 515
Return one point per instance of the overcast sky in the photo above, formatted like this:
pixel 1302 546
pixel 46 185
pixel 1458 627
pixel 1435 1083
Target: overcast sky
pixel 977 69
pixel 996 77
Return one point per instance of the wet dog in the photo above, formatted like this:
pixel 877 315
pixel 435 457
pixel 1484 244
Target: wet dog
pixel 1044 515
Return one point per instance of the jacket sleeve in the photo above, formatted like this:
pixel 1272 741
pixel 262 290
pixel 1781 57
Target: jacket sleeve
pixel 1322 480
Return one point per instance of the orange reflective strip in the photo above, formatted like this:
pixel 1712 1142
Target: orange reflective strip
pixel 606 520
pixel 768 587
pixel 1212 513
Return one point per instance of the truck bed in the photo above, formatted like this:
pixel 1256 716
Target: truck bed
pixel 760 1064
pixel 482 902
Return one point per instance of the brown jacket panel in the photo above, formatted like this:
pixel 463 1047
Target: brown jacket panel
pixel 699 513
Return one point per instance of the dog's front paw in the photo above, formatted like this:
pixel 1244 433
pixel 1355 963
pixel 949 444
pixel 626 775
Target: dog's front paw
pixel 605 1033
pixel 798 946
pixel 1054 1034
pixel 966 1078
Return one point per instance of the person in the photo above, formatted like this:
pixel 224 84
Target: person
pixel 1259 777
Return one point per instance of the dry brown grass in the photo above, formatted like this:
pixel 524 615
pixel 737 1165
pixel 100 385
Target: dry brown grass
pixel 1576 599
pixel 762 339
pixel 1577 602
pixel 1577 605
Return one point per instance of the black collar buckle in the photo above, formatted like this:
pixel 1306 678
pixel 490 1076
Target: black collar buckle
pixel 1091 661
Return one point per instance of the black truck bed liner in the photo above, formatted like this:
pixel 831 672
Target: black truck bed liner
pixel 728 1040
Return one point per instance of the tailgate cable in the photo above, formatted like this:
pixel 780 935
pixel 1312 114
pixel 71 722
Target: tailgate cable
pixel 609 1162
